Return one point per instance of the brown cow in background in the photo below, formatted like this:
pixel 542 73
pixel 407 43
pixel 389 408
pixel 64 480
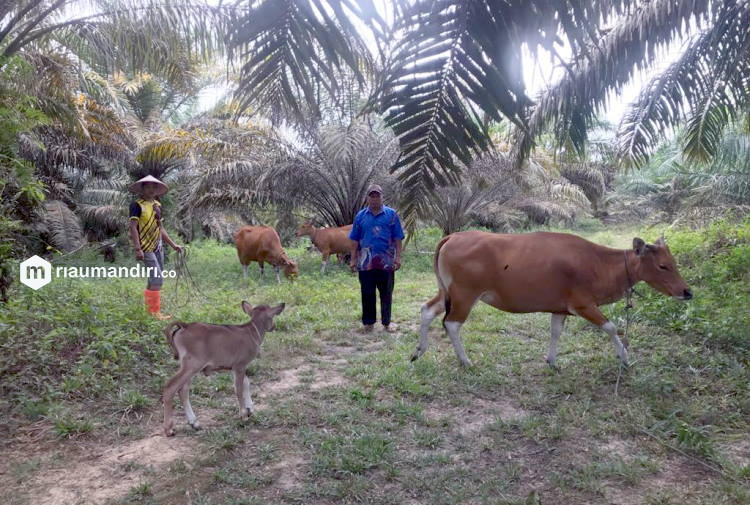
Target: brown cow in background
pixel 262 244
pixel 328 240
pixel 542 272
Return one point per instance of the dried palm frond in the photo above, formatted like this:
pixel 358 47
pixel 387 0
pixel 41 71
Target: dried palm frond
pixel 62 225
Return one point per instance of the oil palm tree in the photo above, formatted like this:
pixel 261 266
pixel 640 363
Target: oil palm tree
pixel 450 65
pixel 332 175
pixel 104 80
pixel 725 181
pixel 673 185
pixel 706 87
pixel 143 33
pixel 448 61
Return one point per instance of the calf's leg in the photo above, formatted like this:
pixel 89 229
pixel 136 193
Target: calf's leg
pixel 189 414
pixel 177 382
pixel 240 383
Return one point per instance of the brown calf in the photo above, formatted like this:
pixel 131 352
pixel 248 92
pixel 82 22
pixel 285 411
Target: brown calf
pixel 262 244
pixel 209 348
pixel 542 272
pixel 328 240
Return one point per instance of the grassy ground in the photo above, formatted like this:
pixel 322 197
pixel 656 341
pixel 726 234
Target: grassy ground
pixel 346 418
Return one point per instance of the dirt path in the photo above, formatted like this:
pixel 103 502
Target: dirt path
pixel 93 472
pixel 98 471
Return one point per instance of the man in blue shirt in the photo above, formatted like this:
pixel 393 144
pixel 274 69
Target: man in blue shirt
pixel 377 235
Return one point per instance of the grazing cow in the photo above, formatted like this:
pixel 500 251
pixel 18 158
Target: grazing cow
pixel 328 240
pixel 262 244
pixel 542 272
pixel 209 348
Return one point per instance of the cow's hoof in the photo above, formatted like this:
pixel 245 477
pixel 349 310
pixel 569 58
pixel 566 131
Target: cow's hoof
pixel 466 364
pixel 247 413
pixel 552 365
pixel 415 356
pixel 169 432
pixel 196 425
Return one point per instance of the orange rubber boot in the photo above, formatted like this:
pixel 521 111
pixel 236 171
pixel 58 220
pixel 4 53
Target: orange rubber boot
pixel 153 304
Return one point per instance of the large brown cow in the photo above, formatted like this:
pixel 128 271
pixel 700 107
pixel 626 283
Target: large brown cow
pixel 328 240
pixel 262 244
pixel 542 272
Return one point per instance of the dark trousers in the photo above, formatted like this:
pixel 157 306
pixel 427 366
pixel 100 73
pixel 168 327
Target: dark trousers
pixel 382 280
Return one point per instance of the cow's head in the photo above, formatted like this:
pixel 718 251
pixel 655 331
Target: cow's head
pixel 291 270
pixel 659 270
pixel 305 228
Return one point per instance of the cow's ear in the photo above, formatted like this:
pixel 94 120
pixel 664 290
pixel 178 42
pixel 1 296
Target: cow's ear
pixel 639 246
pixel 661 241
pixel 247 308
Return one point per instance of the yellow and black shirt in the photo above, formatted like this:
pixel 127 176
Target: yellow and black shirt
pixel 148 215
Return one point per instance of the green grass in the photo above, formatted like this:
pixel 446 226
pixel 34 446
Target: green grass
pixel 82 360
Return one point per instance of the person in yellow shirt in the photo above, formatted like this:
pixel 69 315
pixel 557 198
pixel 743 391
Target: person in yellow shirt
pixel 147 232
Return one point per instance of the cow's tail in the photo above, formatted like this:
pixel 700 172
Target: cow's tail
pixel 170 331
pixel 441 286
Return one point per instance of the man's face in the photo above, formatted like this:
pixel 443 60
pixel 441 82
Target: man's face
pixel 375 199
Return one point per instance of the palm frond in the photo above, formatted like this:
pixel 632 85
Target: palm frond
pixel 289 49
pixel 589 177
pixel 703 131
pixel 454 59
pixel 726 180
pixel 103 90
pixel 104 220
pixel 330 178
pixel 100 191
pixel 341 145
pixel 458 64
pixel 631 44
pixel 33 22
pixel 221 225
pixel 709 80
pixel 453 207
pixel 63 225
pixel 640 186
pixel 171 151
pixel 50 79
pixel 570 193
pixel 542 211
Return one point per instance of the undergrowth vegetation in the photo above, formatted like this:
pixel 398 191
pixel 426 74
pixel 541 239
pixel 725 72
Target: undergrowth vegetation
pixel 81 360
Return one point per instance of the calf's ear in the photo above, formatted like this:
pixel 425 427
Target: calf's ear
pixel 247 308
pixel 275 311
pixel 639 246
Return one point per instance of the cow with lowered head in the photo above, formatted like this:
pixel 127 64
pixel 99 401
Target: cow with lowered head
pixel 262 244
